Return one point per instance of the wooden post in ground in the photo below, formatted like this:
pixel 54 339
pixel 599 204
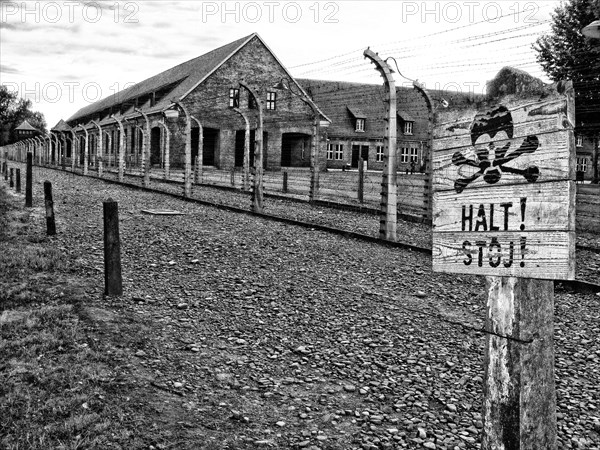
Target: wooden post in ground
pixel 29 182
pixel 113 283
pixel 519 371
pixel 285 181
pixel 12 181
pixel 18 181
pixel 503 223
pixel 50 223
pixel 361 180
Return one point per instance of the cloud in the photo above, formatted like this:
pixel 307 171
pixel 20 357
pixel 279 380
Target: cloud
pixel 15 26
pixel 28 26
pixel 9 70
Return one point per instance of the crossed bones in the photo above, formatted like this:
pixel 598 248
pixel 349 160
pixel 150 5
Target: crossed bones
pixel 492 169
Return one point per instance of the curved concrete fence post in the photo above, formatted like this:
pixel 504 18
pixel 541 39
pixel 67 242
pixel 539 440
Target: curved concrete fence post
pixel 246 168
pixel 86 160
pixel 99 149
pixel 146 148
pixel 109 146
pixel 121 156
pixel 200 156
pixel 166 150
pixel 257 193
pixel 187 182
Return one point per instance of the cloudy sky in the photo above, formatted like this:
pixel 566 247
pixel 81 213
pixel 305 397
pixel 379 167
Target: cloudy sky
pixel 64 55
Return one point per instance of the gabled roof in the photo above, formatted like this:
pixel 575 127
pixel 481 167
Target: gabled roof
pixel 61 126
pixel 405 116
pixel 184 77
pixel 344 101
pixel 178 81
pixel 356 113
pixel 26 126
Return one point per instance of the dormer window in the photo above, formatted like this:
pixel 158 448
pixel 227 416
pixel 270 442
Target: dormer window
pixel 579 141
pixel 359 119
pixel 234 98
pixel 360 125
pixel 406 121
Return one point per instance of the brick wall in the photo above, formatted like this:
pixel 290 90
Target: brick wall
pixel 339 100
pixel 209 102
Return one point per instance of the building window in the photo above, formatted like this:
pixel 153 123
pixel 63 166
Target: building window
pixel 380 153
pixel 404 155
pixel 360 125
pixel 234 98
pixel 271 100
pixel 335 151
pixel 414 154
pixel 408 127
pixel 579 141
pixel 582 164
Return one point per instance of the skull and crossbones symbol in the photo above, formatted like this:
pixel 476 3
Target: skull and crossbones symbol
pixel 486 129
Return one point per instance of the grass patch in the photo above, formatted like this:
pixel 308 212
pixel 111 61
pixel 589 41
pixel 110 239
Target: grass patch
pixel 56 378
pixel 48 382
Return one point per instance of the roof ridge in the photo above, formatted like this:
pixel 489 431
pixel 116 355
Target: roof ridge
pixel 178 74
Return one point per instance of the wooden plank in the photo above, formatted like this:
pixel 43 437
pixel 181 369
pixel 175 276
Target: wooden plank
pixel 530 207
pixel 158 212
pixel 550 161
pixel 543 255
pixel 503 200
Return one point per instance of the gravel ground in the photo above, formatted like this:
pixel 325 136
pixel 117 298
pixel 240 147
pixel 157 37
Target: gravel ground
pixel 281 336
pixel 588 262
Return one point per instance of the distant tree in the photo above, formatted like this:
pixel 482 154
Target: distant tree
pixel 566 54
pixel 14 110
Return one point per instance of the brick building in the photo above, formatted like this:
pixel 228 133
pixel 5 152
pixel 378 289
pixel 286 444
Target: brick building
pixel 208 87
pixel 585 146
pixel 587 141
pixel 358 123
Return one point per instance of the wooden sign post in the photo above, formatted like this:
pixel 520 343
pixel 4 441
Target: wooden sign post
pixel 504 207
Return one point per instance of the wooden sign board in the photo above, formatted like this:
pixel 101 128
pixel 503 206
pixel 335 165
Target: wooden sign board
pixel 503 189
